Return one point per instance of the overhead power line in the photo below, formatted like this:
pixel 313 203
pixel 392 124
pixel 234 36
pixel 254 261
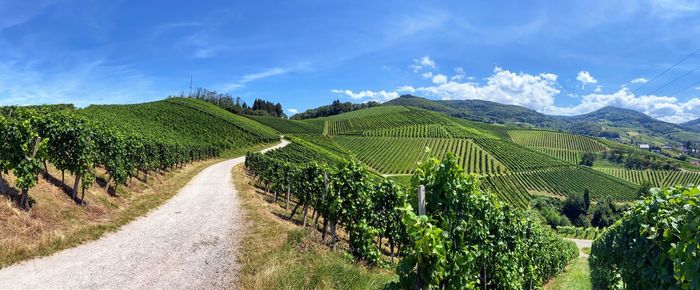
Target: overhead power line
pixel 685 88
pixel 674 80
pixel 666 70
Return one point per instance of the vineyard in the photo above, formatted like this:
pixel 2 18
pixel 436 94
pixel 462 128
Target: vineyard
pixel 657 178
pixel 354 123
pixel 569 156
pixel 461 224
pixel 413 131
pixel 289 126
pixel 122 140
pixel 556 140
pixel 516 157
pixel 391 155
pixel 560 181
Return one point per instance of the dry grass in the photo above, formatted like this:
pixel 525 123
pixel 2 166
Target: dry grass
pixel 277 253
pixel 55 222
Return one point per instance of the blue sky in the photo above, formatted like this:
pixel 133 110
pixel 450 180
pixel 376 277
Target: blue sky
pixel 554 57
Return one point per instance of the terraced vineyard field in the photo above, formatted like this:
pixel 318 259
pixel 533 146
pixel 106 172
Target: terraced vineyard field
pixel 516 157
pixel 658 178
pixel 289 126
pixel 412 131
pixel 556 140
pixel 508 189
pixel 392 155
pixel 357 125
pixel 564 180
pixel 572 157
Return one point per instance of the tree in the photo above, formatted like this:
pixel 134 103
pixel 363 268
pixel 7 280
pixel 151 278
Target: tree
pixel 587 199
pixel 605 213
pixel 644 188
pixel 575 209
pixel 587 159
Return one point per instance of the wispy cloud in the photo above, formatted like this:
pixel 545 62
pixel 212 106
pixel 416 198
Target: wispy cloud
pixel 275 71
pixel 83 83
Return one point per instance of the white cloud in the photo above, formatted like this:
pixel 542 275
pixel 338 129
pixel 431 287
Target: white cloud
pixel 379 96
pixel 427 75
pixel 293 111
pixel 538 92
pixel 639 81
pixel 459 74
pixel 439 79
pixel 423 62
pixel 406 89
pixel 585 78
pixel 532 91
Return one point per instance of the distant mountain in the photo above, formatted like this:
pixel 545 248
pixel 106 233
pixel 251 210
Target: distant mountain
pixel 610 122
pixel 692 125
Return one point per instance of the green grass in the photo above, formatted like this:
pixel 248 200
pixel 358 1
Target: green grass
pixel 577 276
pixel 579 232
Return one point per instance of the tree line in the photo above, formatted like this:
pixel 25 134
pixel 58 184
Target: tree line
pixel 236 105
pixel 334 108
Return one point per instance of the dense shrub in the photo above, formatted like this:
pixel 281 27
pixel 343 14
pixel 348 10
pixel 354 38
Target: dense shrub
pixel 654 246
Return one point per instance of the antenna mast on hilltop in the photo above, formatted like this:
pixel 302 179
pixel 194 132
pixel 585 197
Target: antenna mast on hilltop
pixel 190 85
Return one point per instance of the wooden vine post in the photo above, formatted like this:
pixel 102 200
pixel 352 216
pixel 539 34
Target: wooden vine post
pixel 289 187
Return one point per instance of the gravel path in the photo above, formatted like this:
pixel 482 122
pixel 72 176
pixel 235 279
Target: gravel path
pixel 187 243
pixel 582 244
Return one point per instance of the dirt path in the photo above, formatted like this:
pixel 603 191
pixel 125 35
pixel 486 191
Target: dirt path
pixel 582 244
pixel 187 243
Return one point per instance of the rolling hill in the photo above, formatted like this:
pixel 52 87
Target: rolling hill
pixel 611 122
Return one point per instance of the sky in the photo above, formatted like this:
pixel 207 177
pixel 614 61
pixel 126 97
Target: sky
pixel 556 57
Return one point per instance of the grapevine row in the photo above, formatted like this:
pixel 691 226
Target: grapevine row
pixel 516 157
pixel 556 140
pixel 381 121
pixel 392 155
pixel 450 246
pixel 657 178
pixel 30 138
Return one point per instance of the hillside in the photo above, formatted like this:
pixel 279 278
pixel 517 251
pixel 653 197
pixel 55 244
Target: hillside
pixel 611 122
pixel 184 122
pixel 515 163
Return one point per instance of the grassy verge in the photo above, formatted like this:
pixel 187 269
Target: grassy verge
pixel 278 254
pixel 577 276
pixel 55 222
pixel 590 233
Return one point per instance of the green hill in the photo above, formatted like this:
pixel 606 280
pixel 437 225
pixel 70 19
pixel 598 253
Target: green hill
pixel 610 122
pixel 183 122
